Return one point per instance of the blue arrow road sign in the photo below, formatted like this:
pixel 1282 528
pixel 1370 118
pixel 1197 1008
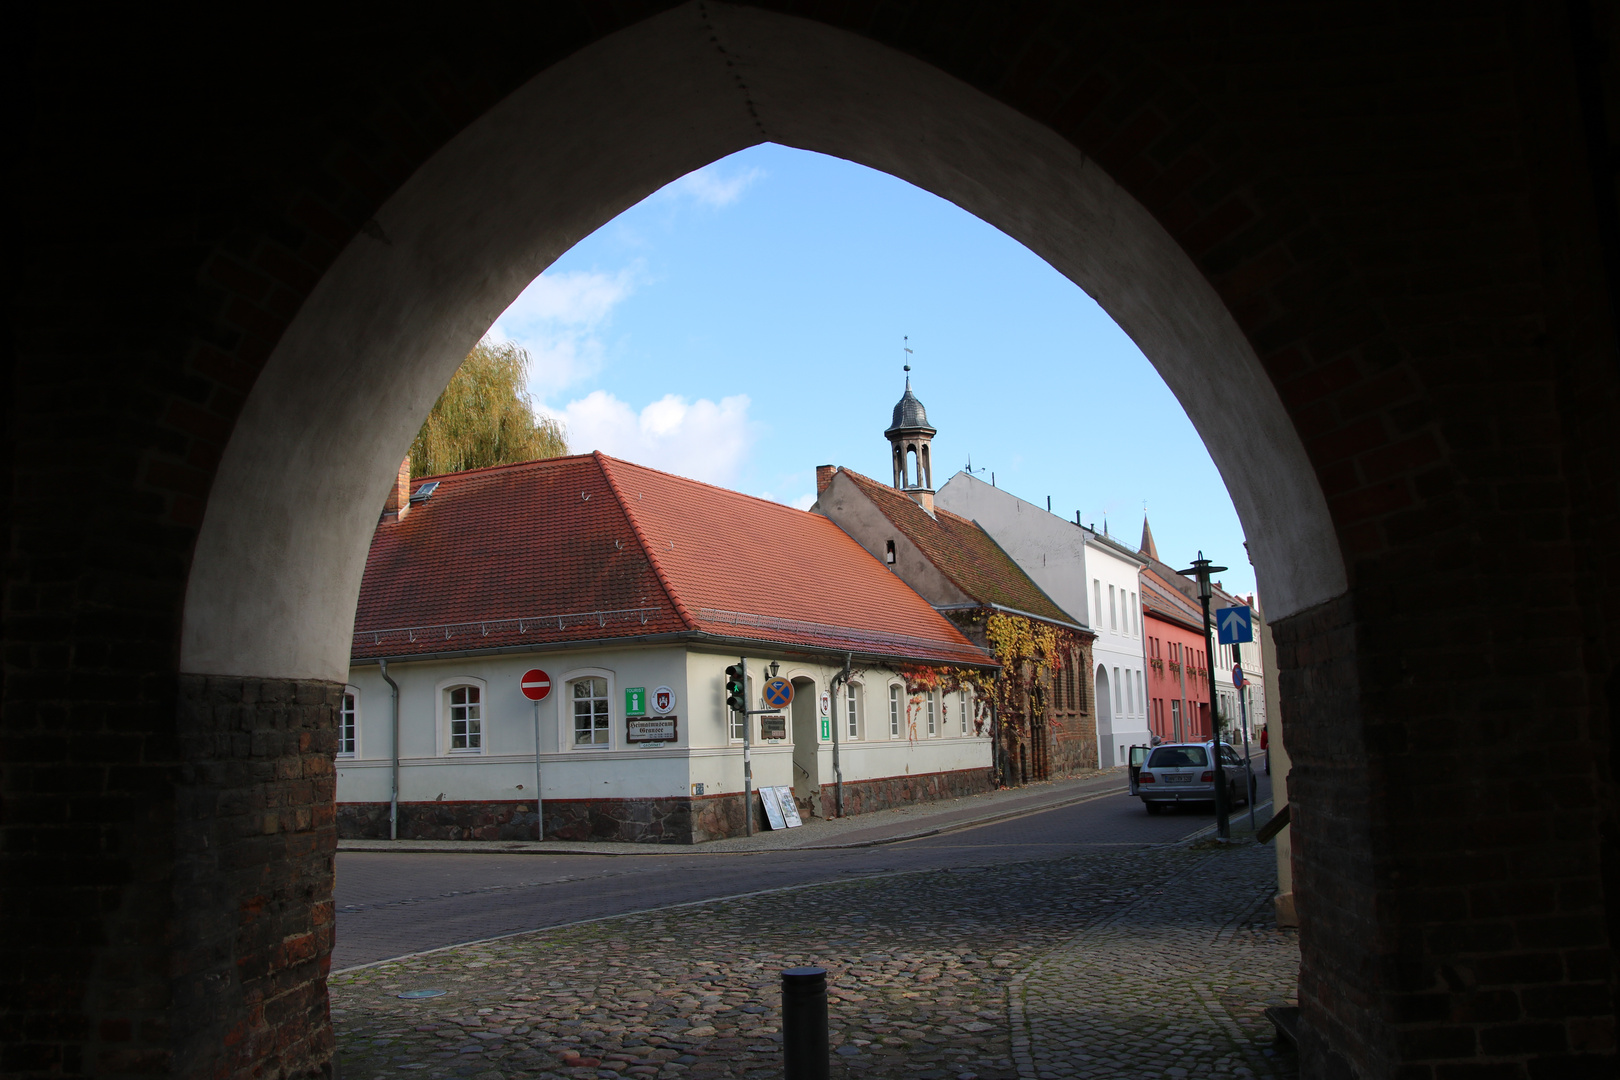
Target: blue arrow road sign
pixel 1233 625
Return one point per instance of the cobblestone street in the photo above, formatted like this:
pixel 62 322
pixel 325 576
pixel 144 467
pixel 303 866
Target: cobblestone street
pixel 1138 963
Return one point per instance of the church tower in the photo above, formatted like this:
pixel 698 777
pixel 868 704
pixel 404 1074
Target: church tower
pixel 909 436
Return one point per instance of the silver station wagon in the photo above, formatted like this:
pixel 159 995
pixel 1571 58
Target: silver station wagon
pixel 1185 772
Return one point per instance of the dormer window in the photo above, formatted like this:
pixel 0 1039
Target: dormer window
pixel 888 552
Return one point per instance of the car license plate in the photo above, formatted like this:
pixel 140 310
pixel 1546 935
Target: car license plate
pixel 1174 779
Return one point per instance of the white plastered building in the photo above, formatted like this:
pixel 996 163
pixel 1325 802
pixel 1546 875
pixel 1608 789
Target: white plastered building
pixel 1093 578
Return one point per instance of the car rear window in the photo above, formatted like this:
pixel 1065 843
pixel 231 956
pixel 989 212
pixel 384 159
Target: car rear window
pixel 1178 757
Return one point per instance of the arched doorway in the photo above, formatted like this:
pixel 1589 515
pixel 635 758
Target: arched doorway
pixel 807 717
pixel 1424 362
pixel 1105 703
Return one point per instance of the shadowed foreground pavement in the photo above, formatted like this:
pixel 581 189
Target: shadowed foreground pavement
pixel 1143 962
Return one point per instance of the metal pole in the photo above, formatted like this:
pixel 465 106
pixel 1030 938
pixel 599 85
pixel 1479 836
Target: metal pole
pixel 748 756
pixel 393 794
pixel 805 1053
pixel 1223 820
pixel 1201 569
pixel 1243 713
pixel 539 818
pixel 839 681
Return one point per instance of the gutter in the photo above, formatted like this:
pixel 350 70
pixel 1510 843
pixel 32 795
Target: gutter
pixel 697 637
pixel 1015 611
pixel 393 794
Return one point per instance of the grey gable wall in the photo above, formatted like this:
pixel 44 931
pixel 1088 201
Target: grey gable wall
pixel 846 505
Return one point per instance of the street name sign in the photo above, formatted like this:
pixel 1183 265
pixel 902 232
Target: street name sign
pixel 535 684
pixel 1235 625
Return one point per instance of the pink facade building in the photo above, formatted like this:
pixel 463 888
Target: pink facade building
pixel 1177 668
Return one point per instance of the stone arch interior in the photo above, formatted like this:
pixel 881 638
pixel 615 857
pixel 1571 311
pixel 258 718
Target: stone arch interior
pixel 285 531
pixel 514 189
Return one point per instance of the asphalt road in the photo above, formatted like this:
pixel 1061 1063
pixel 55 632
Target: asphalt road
pixel 393 904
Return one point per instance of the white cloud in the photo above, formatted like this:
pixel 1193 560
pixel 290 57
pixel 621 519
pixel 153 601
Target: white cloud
pixel 710 187
pixel 702 439
pixel 557 318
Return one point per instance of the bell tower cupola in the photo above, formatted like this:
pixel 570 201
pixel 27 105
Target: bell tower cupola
pixel 909 436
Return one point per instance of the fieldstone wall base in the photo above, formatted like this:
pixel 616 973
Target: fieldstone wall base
pixel 884 793
pixel 641 821
pixel 1073 747
pixel 682 820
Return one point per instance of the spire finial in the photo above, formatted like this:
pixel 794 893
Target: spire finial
pixel 905 347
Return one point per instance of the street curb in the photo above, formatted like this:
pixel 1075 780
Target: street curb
pixel 460 847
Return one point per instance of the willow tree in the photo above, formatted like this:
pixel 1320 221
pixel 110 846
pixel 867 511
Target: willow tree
pixel 485 417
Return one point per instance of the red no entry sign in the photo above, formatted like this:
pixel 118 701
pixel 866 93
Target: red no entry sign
pixel 536 684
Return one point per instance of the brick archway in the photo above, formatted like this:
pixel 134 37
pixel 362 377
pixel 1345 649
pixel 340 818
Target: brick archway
pixel 1375 284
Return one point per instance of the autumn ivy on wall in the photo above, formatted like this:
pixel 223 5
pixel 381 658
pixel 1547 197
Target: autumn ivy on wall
pixel 923 678
pixel 1030 653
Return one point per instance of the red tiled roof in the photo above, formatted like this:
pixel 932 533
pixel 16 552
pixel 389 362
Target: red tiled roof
pixel 589 547
pixel 1163 600
pixel 963 552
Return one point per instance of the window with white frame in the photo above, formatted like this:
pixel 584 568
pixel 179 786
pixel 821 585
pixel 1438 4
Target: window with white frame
pixel 1119 698
pixel 1096 603
pixel 349 722
pixel 933 719
pixel 591 719
pixel 1113 618
pixel 894 712
pixel 466 715
pixel 852 710
pixel 967 710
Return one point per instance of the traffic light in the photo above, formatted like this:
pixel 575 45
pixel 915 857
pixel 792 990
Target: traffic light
pixel 736 699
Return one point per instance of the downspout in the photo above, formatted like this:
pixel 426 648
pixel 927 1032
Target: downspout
pixel 841 679
pixel 393 794
pixel 1000 757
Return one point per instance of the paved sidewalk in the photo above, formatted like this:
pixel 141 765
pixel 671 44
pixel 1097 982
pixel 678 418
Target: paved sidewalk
pixel 1146 962
pixel 861 830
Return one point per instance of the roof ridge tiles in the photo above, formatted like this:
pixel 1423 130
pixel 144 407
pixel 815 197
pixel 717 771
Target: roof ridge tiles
pixel 675 600
pixel 973 589
pixel 509 466
pixel 703 483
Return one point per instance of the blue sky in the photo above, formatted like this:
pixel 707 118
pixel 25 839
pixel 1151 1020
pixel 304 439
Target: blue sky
pixel 745 324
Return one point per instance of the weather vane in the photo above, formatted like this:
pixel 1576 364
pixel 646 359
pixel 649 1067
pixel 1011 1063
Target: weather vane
pixel 905 347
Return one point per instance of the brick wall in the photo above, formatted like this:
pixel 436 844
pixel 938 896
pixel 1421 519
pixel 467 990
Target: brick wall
pixel 255 840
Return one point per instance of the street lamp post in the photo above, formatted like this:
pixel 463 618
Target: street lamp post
pixel 1201 569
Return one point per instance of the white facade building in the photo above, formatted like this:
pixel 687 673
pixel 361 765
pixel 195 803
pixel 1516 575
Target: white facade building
pixel 467 743
pixel 1090 576
pixel 628 592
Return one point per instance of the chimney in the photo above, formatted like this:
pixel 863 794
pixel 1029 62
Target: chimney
pixel 824 475
pixel 399 499
pixel 925 499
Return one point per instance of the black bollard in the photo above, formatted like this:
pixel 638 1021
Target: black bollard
pixel 804 1023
